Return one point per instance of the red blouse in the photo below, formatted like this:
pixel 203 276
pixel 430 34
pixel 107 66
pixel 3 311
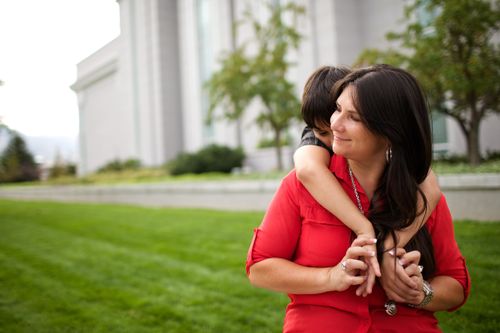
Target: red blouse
pixel 299 229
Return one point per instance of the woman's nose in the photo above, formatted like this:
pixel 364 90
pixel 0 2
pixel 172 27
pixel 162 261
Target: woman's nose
pixel 335 120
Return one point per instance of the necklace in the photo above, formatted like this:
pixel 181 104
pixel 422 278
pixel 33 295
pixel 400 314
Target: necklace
pixel 390 306
pixel 355 190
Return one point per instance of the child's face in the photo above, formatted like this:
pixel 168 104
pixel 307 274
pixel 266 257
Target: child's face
pixel 324 134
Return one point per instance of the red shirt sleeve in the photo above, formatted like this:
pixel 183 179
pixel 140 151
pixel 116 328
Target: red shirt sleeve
pixel 449 260
pixel 279 231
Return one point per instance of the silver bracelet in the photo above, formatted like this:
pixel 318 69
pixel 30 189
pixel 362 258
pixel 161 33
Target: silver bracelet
pixel 428 294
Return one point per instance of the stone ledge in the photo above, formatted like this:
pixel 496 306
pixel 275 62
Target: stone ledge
pixel 470 196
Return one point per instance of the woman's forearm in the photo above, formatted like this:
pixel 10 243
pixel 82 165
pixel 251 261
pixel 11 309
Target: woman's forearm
pixel 285 276
pixel 447 294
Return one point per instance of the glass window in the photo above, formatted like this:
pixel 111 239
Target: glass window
pixel 439 134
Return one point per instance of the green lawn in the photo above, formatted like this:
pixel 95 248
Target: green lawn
pixel 111 268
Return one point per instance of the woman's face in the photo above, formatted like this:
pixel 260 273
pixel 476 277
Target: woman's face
pixel 351 137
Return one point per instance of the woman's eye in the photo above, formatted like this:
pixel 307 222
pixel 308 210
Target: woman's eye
pixel 353 118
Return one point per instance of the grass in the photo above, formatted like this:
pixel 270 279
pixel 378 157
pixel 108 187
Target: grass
pixel 111 268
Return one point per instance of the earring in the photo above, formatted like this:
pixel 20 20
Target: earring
pixel 388 155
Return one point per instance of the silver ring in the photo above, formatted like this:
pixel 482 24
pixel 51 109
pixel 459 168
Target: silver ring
pixel 420 268
pixel 343 265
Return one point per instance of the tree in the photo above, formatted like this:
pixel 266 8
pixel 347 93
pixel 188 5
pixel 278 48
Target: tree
pixel 262 75
pixel 17 163
pixel 274 39
pixel 456 58
pixel 229 88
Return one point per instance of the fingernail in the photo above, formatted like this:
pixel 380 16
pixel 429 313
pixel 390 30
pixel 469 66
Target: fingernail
pixel 374 240
pixel 391 252
pixel 372 253
pixel 401 262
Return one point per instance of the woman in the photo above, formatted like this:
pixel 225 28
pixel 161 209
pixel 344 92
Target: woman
pixel 383 150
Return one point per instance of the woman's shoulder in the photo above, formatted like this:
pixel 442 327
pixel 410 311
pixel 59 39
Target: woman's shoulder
pixel 292 185
pixel 440 214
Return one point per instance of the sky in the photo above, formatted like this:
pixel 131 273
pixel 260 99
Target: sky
pixel 41 41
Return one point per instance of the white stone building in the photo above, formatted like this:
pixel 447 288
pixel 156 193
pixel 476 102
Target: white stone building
pixel 141 96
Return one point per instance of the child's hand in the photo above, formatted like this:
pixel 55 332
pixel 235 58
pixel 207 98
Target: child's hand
pixel 397 284
pixel 373 268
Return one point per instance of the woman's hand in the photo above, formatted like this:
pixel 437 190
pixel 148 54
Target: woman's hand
pixel 401 276
pixel 351 269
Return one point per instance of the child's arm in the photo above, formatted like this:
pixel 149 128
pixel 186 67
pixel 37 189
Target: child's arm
pixel 311 167
pixel 432 192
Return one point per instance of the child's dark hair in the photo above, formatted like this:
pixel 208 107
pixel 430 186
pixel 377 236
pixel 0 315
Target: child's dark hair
pixel 317 102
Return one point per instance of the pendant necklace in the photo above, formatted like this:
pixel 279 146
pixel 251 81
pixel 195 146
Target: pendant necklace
pixel 390 306
pixel 355 190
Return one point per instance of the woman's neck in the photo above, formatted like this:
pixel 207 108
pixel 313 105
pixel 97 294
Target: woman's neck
pixel 368 175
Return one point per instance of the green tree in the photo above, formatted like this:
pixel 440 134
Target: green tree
pixel 17 163
pixel 453 52
pixel 228 88
pixel 274 39
pixel 262 75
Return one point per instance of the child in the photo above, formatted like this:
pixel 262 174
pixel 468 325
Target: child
pixel 312 161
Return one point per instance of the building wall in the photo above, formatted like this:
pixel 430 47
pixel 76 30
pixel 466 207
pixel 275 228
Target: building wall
pixel 152 97
pixel 102 137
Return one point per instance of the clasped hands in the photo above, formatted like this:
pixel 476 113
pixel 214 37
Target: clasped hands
pixel 399 273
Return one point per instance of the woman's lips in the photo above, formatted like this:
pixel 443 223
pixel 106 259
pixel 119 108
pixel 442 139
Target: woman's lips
pixel 338 138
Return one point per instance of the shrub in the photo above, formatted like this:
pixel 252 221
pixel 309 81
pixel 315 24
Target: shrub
pixel 61 168
pixel 17 163
pixel 212 158
pixel 451 158
pixel 492 155
pixel 119 165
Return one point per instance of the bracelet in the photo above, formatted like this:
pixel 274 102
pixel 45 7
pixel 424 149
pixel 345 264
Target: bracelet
pixel 428 294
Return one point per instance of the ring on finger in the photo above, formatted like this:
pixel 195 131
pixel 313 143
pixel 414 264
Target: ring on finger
pixel 343 265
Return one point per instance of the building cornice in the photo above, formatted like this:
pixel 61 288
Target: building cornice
pixel 104 70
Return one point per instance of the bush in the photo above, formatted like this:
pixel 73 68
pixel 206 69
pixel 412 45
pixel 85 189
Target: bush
pixel 17 163
pixel 62 169
pixel 212 158
pixel 119 165
pixel 492 155
pixel 451 159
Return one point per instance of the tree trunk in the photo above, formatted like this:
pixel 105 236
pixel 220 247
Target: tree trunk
pixel 277 140
pixel 473 151
pixel 471 134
